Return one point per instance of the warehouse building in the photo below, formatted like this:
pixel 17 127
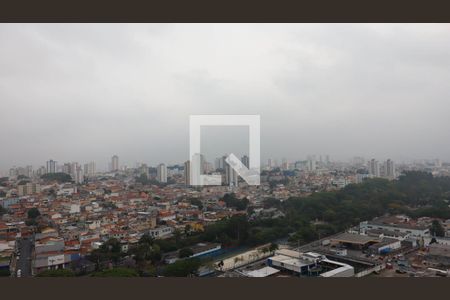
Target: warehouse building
pixel 309 264
pixel 396 224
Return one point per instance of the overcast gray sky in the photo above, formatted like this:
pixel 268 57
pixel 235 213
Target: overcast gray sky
pixel 82 92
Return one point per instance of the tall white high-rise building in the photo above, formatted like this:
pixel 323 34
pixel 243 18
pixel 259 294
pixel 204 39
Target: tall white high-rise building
pixel 29 171
pixel 219 163
pixel 115 163
pixel 51 166
pixel 67 168
pixel 187 172
pixel 73 169
pixel 390 169
pixel 231 176
pixel 374 168
pixel 41 171
pixel 161 173
pixel 89 169
pixel 77 175
pixel 223 162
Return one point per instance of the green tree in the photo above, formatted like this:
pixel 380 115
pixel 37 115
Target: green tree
pixel 31 222
pixel 185 252
pixel 436 229
pixel 271 202
pixel 146 250
pixel 182 268
pixel 177 236
pixel 187 229
pixel 33 213
pixel 117 272
pixel 3 210
pixel 146 239
pixel 108 251
pixel 59 177
pixel 56 273
pixel 197 202
pixel 143 179
pixel 5 273
pixel 273 247
pixel 231 201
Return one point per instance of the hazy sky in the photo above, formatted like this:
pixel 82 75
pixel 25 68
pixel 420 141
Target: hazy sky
pixel 82 92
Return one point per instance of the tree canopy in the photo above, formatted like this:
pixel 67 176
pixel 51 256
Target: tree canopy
pixel 231 201
pixel 182 268
pixel 117 272
pixel 33 213
pixel 59 176
pixel 56 273
pixel 437 229
pixel 185 252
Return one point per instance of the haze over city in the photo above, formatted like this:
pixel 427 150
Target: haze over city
pixel 333 160
pixel 85 92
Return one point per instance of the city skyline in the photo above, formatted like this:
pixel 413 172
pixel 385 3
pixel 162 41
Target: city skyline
pixel 91 167
pixel 84 92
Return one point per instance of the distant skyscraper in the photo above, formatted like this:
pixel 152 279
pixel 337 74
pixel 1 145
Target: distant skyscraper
pixel 51 166
pixel 223 162
pixel 161 173
pixel 311 163
pixel 203 164
pixel 437 163
pixel 145 170
pixel 41 171
pixel 115 163
pixel 231 176
pixel 89 169
pixel 374 168
pixel 77 174
pixel 217 163
pixel 208 167
pixel 284 164
pixel 246 161
pixel 359 161
pixel 187 172
pixel 73 169
pixel 390 169
pixel 67 168
pixel 269 163
pixel 28 171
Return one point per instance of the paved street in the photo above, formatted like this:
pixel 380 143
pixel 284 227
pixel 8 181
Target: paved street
pixel 24 261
